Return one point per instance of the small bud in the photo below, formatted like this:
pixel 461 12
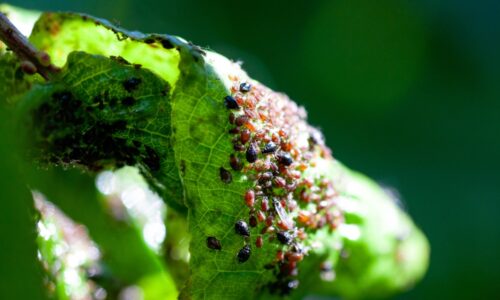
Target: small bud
pixel 28 67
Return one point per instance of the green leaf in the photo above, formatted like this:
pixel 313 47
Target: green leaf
pixel 104 113
pixel 21 274
pixel 201 138
pixel 13 82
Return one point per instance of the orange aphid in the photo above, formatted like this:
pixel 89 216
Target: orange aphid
pixel 250 126
pixel 304 216
pixel 302 167
pixel 283 225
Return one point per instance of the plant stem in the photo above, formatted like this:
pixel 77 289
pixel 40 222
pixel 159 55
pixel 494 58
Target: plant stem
pixel 24 50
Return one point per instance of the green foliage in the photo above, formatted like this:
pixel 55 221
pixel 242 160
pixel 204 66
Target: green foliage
pixel 157 102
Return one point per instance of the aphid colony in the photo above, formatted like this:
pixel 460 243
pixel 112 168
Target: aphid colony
pixel 273 146
pixel 64 114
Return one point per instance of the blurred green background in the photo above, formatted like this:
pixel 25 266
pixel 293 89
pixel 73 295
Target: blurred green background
pixel 406 92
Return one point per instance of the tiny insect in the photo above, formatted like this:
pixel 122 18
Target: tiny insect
pixel 213 243
pixel 244 136
pixel 284 158
pixel 225 175
pixel 28 67
pixel 250 198
pixel 252 221
pixel 264 205
pixel 251 154
pixel 131 84
pixel 235 163
pixel 280 181
pixel 284 237
pixel 231 103
pixel 269 148
pixel 241 120
pixel 241 228
pixel 245 87
pixel 244 254
pixel 259 242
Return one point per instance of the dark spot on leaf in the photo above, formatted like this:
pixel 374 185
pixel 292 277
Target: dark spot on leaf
pixel 152 160
pixel 62 96
pixel 183 167
pixel 128 101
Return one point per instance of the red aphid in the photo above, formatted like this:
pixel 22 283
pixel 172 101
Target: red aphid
pixel 250 198
pixel 259 242
pixel 280 182
pixel 264 205
pixel 261 216
pixel 280 256
pixel 294 256
pixel 244 136
pixel 269 220
pixel 241 120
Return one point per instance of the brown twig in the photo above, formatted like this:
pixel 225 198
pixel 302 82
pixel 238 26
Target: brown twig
pixel 32 60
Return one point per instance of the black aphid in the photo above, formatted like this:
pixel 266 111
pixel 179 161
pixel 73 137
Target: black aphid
pixel 269 148
pixel 231 103
pixel 225 175
pixel 235 163
pixel 245 87
pixel 284 158
pixel 213 243
pixel 284 237
pixel 244 254
pixel 253 221
pixel 241 228
pixel 131 84
pixel 251 154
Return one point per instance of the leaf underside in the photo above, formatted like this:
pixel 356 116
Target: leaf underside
pixel 158 103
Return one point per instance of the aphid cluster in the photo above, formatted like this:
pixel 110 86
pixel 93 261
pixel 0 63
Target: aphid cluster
pixel 63 115
pixel 273 146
